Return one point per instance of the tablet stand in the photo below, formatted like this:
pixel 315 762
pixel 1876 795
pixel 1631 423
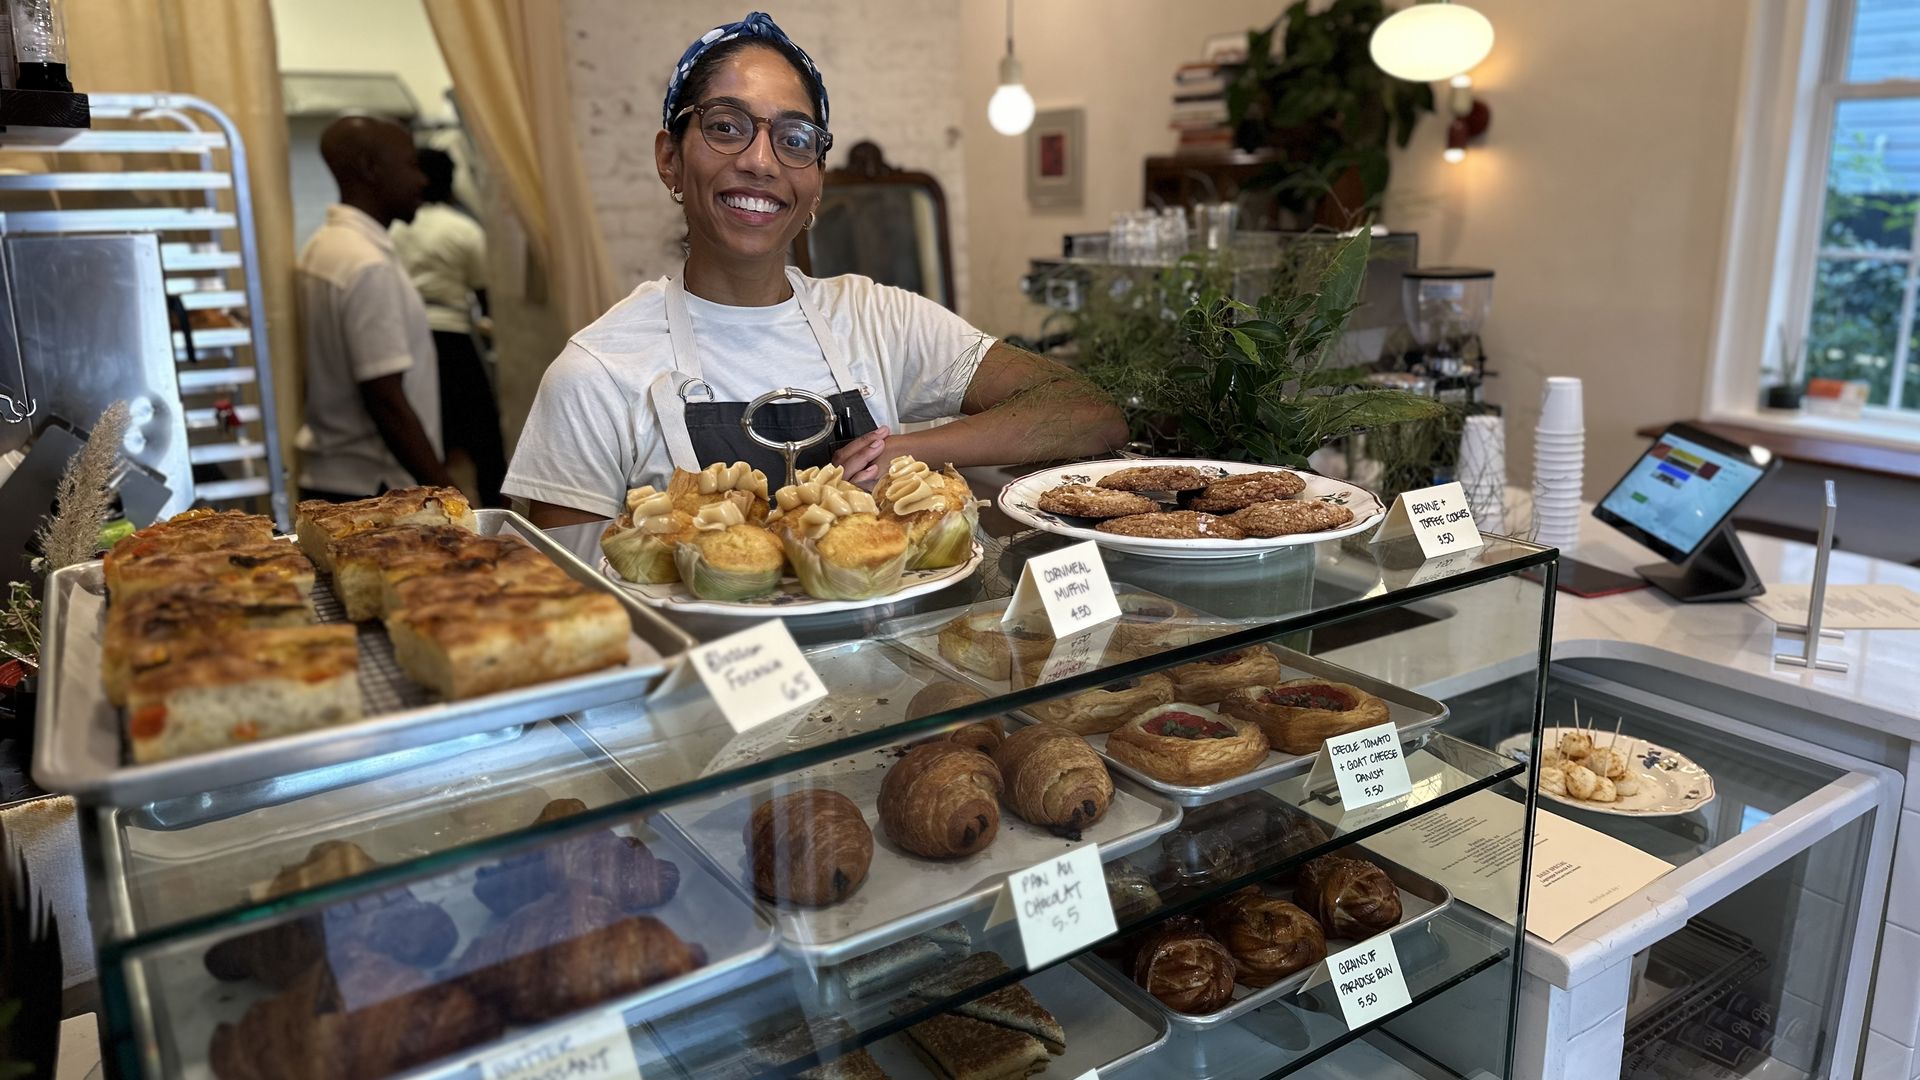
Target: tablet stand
pixel 1719 570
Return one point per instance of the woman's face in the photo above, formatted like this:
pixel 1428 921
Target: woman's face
pixel 747 206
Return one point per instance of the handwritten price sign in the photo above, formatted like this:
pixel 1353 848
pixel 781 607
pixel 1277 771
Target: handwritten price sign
pixel 1061 905
pixel 1368 765
pixel 1070 585
pixel 1438 517
pixel 1368 981
pixel 757 674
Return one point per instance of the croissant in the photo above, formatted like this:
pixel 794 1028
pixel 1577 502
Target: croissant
pixel 1187 970
pixel 619 868
pixel 941 800
pixel 808 847
pixel 1054 779
pixel 1268 937
pixel 570 950
pixel 1352 898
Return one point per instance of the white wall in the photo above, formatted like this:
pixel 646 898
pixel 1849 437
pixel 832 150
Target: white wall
pixel 365 36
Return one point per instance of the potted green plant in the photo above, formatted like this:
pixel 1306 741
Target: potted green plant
pixel 1791 389
pixel 1325 109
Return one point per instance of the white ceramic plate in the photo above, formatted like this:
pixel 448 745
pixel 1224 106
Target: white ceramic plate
pixel 791 599
pixel 1019 500
pixel 1671 783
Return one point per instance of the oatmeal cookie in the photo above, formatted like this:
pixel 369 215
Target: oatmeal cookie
pixel 1174 525
pixel 1155 478
pixel 1230 493
pixel 1079 500
pixel 1270 519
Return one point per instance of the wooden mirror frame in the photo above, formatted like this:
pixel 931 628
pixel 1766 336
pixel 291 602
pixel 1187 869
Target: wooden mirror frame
pixel 866 166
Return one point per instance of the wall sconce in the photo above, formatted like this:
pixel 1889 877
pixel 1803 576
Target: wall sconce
pixel 1470 118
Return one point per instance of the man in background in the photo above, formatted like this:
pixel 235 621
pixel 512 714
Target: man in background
pixel 445 252
pixel 372 419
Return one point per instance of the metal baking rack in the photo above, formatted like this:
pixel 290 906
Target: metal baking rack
pixel 1725 960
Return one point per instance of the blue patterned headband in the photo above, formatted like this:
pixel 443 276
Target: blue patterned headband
pixel 757 24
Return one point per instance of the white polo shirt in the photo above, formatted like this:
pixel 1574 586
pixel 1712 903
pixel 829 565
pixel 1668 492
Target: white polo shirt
pixel 362 319
pixel 446 253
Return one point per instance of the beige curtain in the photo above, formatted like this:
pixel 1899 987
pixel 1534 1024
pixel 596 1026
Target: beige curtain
pixel 222 51
pixel 508 59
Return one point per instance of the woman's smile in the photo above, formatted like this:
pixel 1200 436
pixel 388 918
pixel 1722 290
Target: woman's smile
pixel 751 207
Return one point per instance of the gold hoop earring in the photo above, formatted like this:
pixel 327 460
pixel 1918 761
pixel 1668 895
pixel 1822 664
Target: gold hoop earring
pixel 810 220
pixel 676 195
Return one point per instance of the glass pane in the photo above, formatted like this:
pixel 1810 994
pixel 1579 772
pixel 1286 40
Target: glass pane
pixel 1886 41
pixel 1856 321
pixel 1910 383
pixel 1873 178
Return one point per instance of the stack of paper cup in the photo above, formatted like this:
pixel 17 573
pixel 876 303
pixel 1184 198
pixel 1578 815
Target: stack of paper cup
pixel 1483 471
pixel 1559 462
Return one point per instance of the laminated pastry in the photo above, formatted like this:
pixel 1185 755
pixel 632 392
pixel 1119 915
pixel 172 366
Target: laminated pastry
pixel 186 533
pixel 319 524
pixel 984 645
pixel 982 735
pixel 809 1036
pixel 893 963
pixel 465 648
pixel 938 697
pixel 1270 519
pixel 1352 898
pixel 243 567
pixel 1151 624
pixel 962 1048
pixel 1268 937
pixel 1155 478
pixel 1230 493
pixel 739 484
pixel 150 629
pixel 840 547
pixel 1086 501
pixel 1187 744
pixel 1179 963
pixel 1223 840
pixel 367 565
pixel 1130 890
pixel 941 801
pixel 1208 681
pixel 1173 525
pixel 1300 714
pixel 246 686
pixel 571 949
pixel 639 543
pixel 1012 1006
pixel 1054 779
pixel 1104 708
pixel 393 923
pixel 936 509
pixel 727 557
pixel 358 1015
pixel 618 868
pixel 808 847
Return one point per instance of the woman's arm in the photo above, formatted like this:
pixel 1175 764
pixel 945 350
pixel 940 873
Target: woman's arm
pixel 552 515
pixel 1019 407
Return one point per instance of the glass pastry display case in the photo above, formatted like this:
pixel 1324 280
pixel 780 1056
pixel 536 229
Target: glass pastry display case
pixel 824 895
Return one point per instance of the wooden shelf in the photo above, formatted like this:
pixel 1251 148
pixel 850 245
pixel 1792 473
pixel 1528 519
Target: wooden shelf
pixel 42 109
pixel 1813 448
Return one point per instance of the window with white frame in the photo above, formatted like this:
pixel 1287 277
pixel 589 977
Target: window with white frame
pixel 1860 289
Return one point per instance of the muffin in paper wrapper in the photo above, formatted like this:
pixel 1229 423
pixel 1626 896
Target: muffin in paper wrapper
pixel 839 546
pixel 727 558
pixel 640 543
pixel 937 510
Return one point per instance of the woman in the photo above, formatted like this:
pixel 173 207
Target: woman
pixel 661 380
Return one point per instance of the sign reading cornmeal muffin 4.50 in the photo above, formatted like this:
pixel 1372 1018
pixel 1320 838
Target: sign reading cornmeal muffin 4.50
pixel 1071 585
pixel 757 674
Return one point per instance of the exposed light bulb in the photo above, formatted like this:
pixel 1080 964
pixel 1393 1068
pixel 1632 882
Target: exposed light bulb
pixel 1010 110
pixel 1428 42
pixel 1453 155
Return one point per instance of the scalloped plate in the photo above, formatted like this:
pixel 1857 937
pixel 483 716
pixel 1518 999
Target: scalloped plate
pixel 1671 783
pixel 1018 501
pixel 791 599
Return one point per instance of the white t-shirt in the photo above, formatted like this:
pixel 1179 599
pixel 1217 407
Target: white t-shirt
pixel 593 434
pixel 445 253
pixel 363 320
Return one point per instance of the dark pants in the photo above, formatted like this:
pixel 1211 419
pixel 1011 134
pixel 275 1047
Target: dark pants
pixel 469 416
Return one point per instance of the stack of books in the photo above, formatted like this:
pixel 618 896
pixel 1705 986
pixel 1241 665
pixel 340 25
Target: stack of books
pixel 1200 106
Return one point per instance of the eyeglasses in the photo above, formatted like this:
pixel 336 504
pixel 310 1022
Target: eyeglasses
pixel 729 129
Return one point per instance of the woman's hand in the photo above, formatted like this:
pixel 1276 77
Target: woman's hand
pixel 866 457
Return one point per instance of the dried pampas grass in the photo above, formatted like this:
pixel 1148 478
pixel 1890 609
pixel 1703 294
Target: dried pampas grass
pixel 72 534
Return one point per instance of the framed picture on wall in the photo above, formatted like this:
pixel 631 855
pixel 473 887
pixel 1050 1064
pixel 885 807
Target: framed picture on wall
pixel 1056 158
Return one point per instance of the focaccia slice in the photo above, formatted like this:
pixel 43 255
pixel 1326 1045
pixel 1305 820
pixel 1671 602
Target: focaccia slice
pixel 319 524
pixel 239 567
pixel 365 565
pixel 185 533
pixel 467 647
pixel 524 572
pixel 148 630
pixel 244 686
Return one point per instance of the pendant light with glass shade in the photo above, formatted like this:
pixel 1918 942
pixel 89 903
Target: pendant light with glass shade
pixel 1010 110
pixel 1432 41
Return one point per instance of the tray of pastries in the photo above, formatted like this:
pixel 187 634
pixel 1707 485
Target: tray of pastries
pixel 1057 1023
pixel 1196 732
pixel 719 542
pixel 1183 508
pixel 1262 942
pixel 205 652
pixel 400 977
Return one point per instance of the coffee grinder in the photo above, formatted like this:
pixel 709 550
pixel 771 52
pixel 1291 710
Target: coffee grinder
pixel 1445 307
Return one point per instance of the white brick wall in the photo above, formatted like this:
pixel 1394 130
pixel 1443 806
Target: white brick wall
pixel 892 71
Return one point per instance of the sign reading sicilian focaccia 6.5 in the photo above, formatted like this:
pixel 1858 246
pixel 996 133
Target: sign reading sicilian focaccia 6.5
pixel 1438 517
pixel 757 674
pixel 1071 585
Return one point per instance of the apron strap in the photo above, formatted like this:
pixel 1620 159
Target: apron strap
pixel 671 409
pixel 823 334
